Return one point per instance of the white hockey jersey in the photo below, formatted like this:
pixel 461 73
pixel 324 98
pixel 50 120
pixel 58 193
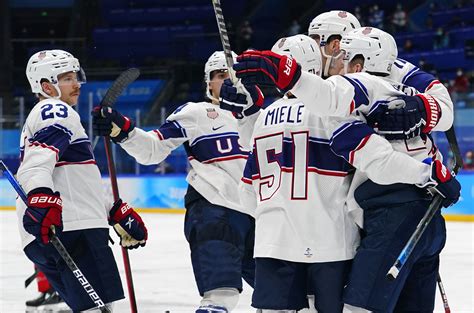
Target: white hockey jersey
pixel 297 187
pixel 351 99
pixel 211 141
pixel 56 153
pixel 404 74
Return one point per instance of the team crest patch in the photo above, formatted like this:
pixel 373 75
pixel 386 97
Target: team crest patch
pixel 342 14
pixel 367 30
pixel 212 113
pixel 42 55
pixel 281 43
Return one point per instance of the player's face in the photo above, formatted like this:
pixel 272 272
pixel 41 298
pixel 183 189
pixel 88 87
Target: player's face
pixel 337 63
pixel 216 83
pixel 70 88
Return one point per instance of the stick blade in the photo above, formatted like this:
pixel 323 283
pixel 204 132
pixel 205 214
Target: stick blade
pixel 125 78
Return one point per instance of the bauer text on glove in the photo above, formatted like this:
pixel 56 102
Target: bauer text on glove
pixel 128 225
pixel 44 209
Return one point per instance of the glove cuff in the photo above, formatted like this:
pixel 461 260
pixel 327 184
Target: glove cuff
pixel 293 77
pixel 433 112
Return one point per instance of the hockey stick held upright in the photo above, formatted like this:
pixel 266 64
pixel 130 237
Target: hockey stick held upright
pixel 111 96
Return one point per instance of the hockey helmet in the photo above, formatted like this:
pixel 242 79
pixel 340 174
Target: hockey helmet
pixel 49 64
pixel 216 62
pixel 303 49
pixel 332 23
pixel 378 48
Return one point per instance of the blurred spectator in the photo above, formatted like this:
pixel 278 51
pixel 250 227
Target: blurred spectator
pixel 399 19
pixel 294 28
pixel 244 37
pixel 359 16
pixel 376 16
pixel 441 39
pixel 461 83
pixel 408 46
pixel 468 160
pixel 426 66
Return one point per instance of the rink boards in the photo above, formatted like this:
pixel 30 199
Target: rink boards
pixel 165 194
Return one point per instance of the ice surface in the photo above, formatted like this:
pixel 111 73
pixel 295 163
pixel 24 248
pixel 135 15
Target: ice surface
pixel 163 275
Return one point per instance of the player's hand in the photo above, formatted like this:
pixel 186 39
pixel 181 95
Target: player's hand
pixel 417 115
pixel 128 225
pixel 240 100
pixel 443 182
pixel 266 68
pixel 107 121
pixel 44 209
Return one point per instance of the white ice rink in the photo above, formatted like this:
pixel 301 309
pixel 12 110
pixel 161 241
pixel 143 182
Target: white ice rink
pixel 164 280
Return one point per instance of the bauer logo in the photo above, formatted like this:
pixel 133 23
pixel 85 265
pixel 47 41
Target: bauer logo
pixel 46 199
pixel 124 208
pixel 88 288
pixel 289 63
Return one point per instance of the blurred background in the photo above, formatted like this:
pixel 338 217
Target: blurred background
pixel 170 40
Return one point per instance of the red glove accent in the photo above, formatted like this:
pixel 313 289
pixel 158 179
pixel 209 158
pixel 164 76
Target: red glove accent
pixel 267 68
pixel 433 112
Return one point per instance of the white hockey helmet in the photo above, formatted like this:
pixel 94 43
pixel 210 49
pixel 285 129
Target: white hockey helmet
pixel 49 64
pixel 303 49
pixel 216 62
pixel 378 48
pixel 332 23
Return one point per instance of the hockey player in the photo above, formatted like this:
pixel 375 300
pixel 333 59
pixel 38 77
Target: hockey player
pixel 406 122
pixel 59 174
pixel 391 211
pixel 327 29
pixel 302 235
pixel 220 231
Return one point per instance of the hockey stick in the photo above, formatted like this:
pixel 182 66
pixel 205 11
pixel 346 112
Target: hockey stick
pixel 32 277
pixel 224 38
pixel 111 96
pixel 58 245
pixel 433 208
pixel 443 295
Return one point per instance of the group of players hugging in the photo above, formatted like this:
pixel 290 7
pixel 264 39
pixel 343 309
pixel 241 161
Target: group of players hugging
pixel 309 199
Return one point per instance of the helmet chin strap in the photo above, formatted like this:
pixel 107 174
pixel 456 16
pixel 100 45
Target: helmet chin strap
pixel 327 65
pixel 44 94
pixel 210 96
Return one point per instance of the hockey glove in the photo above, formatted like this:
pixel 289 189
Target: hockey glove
pixel 240 100
pixel 443 182
pixel 43 210
pixel 128 225
pixel 266 68
pixel 107 121
pixel 419 114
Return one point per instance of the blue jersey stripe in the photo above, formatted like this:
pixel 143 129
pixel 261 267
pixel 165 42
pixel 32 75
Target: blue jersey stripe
pixel 347 139
pixel 215 147
pixel 361 95
pixel 55 136
pixel 172 129
pixel 409 73
pixel 78 151
pixel 420 80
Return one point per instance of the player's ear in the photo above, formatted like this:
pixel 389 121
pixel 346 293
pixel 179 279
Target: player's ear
pixel 47 88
